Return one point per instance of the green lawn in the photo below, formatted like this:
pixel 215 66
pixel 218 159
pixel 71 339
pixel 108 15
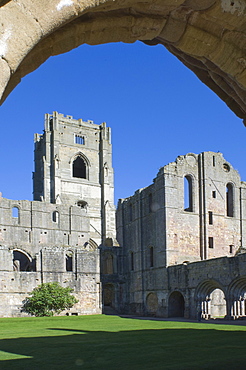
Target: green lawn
pixel 114 343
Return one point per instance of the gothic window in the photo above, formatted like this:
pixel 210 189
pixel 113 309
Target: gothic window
pixel 78 139
pixel 188 194
pixel 79 168
pixel 229 200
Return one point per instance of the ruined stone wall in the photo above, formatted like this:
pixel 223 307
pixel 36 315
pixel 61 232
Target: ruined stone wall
pixel 40 223
pixel 35 247
pixel 157 229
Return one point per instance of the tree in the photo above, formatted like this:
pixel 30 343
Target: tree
pixel 49 299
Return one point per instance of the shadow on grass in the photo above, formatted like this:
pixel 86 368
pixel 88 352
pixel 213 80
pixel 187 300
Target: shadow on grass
pixel 137 349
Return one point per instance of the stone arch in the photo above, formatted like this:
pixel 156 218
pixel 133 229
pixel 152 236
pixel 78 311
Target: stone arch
pixel 92 245
pixel 176 304
pixel 22 261
pixel 208 36
pixel 237 298
pixel 152 303
pixel 211 300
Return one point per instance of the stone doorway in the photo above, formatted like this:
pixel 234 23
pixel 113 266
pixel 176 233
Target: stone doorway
pixel 176 305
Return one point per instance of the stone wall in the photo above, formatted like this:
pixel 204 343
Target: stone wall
pixel 193 211
pixel 35 248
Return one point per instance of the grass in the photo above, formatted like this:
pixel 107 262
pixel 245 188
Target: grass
pixel 114 343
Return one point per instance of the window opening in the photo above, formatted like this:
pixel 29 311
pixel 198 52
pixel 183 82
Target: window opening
pixel 213 161
pixel 22 263
pixel 210 218
pixel 151 256
pixel 79 168
pixel 214 194
pixel 15 212
pixel 82 204
pixel 132 261
pixel 229 200
pixel 188 206
pixel 55 216
pixel 231 249
pixel 210 242
pixel 79 139
pixel 69 263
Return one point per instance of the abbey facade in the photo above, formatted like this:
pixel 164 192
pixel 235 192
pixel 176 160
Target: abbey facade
pixel 179 248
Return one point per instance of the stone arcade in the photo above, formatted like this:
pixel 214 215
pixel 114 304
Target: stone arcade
pixel 180 239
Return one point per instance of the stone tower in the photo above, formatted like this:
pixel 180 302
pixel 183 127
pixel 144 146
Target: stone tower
pixel 73 165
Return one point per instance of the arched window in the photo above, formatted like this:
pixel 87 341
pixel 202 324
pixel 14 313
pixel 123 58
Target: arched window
pixel 69 261
pixel 21 262
pixel 188 194
pixel 79 168
pixel 55 217
pixel 16 214
pixel 229 200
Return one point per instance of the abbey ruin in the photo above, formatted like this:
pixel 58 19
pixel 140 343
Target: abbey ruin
pixel 177 247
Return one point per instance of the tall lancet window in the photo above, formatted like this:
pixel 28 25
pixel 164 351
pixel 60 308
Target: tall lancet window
pixel 229 200
pixel 188 194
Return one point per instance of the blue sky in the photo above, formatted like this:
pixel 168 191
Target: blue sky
pixel 156 107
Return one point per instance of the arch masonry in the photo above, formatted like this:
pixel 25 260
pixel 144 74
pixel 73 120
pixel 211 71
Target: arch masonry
pixel 176 304
pixel 237 298
pixel 208 36
pixel 211 300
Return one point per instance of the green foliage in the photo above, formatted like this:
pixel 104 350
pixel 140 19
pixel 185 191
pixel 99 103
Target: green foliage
pixel 49 298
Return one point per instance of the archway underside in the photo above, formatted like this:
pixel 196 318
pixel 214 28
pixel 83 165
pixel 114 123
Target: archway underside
pixel 208 36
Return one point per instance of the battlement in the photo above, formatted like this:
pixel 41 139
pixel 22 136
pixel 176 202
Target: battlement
pixel 68 119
